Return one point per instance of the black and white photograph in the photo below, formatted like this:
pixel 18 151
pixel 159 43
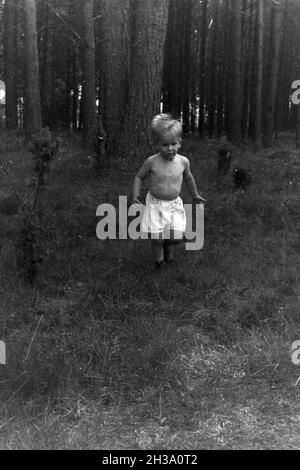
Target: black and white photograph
pixel 149 227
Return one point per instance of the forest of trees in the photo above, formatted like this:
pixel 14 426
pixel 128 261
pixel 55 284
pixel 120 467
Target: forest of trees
pixel 107 66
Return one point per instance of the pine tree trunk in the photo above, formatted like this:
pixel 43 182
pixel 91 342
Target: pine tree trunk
pixel 227 67
pixel 116 63
pixel 149 33
pixel 259 73
pixel 89 97
pixel 44 63
pixel 246 52
pixel 274 66
pixel 235 120
pixel 75 98
pixel 21 66
pixel 10 72
pixel 186 63
pixel 280 95
pixel 167 88
pixel 67 120
pixel 173 60
pixel 52 101
pixel 201 124
pixel 194 65
pixel 180 73
pixel 221 70
pixel 252 72
pixel 33 106
pixel 212 73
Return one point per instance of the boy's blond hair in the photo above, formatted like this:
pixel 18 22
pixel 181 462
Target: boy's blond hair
pixel 165 124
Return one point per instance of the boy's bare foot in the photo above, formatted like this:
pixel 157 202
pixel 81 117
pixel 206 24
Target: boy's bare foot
pixel 168 252
pixel 158 265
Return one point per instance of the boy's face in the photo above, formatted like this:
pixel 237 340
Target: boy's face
pixel 168 146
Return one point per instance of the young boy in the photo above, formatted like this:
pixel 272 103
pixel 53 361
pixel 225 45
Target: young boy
pixel 164 216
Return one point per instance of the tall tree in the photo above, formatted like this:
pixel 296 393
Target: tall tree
pixel 247 50
pixel 187 67
pixel 33 106
pixel 284 66
pixel 227 66
pixel 173 60
pixel 275 37
pixel 89 95
pixel 10 72
pixel 259 71
pixel 221 69
pixel 75 90
pixel 194 64
pixel 234 133
pixel 133 44
pixel 148 39
pixel 202 68
pixel 212 70
pixel 252 71
pixel 44 53
pixel 114 74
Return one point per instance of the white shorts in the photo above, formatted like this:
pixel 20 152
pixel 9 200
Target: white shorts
pixel 161 216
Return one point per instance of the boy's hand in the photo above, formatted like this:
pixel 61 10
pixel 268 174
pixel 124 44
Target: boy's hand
pixel 136 200
pixel 199 198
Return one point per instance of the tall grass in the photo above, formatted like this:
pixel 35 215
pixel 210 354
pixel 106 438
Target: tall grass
pixel 101 330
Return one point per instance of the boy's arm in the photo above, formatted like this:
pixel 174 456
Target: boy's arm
pixel 138 180
pixel 189 179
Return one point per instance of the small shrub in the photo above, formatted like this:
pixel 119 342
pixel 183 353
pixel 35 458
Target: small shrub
pixel 43 148
pixel 28 250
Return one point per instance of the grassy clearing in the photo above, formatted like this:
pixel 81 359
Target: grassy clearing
pixel 104 353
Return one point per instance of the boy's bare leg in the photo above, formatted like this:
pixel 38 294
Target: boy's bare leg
pixel 176 237
pixel 157 251
pixel 168 251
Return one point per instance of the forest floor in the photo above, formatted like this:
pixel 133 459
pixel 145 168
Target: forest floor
pixel 105 353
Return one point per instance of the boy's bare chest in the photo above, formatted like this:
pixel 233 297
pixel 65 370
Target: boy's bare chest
pixel 172 171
